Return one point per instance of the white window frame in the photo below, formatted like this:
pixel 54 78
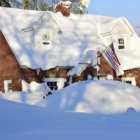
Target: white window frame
pixel 132 79
pixel 60 82
pixel 6 83
pixel 121 44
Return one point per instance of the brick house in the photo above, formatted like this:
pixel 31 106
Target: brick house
pixel 48 47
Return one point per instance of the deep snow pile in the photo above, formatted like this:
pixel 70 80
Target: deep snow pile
pixel 24 97
pixel 20 122
pixel 103 96
pixel 32 94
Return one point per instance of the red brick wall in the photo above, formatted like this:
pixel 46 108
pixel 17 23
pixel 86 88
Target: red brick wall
pixel 105 67
pixel 88 71
pixel 9 67
pixel 10 70
pixel 30 75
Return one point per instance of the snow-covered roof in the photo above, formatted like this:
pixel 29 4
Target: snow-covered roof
pixel 80 33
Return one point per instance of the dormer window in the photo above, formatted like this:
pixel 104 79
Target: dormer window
pixel 121 43
pixel 46 39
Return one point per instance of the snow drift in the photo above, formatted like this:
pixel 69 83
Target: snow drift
pixel 96 97
pixel 20 122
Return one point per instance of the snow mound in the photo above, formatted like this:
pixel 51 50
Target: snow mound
pixel 24 97
pixel 31 94
pixel 103 96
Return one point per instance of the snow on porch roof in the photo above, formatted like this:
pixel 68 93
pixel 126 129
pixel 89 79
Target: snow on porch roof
pixel 80 34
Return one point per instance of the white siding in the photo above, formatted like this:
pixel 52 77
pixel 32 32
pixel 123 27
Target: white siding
pixel 121 30
pixel 46 26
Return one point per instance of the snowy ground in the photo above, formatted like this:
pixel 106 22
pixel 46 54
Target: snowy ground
pixel 20 121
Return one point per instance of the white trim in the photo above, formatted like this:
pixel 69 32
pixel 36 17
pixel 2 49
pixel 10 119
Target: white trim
pixel 54 79
pixel 98 60
pixel 129 26
pixel 53 18
pixel 105 34
pixel 126 23
pixel 27 29
pixel 6 82
pixel 60 81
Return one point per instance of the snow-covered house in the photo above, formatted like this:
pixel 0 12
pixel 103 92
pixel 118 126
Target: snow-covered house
pixel 48 47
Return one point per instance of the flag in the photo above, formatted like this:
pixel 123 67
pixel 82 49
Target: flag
pixel 113 60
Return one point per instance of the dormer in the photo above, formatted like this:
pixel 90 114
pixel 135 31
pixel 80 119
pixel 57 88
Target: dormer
pixel 46 31
pixel 120 35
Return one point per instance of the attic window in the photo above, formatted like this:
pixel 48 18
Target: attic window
pixel 121 43
pixel 46 39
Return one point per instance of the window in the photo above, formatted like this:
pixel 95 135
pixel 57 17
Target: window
pixel 121 43
pixel 55 83
pixel 46 39
pixel 129 80
pixel 52 85
pixel 121 47
pixel 8 85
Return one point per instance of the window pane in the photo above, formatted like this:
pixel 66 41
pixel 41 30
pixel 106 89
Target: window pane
pixel 121 41
pixel 9 86
pixel 46 37
pixel 121 47
pixel 55 83
pixel 129 82
pixel 52 85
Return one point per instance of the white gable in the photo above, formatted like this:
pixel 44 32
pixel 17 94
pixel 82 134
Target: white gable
pixel 46 26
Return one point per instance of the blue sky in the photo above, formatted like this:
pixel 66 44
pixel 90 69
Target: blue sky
pixel 117 8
